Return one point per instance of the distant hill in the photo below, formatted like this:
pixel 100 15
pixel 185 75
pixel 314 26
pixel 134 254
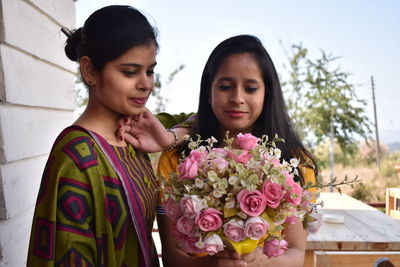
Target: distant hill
pixel 394 146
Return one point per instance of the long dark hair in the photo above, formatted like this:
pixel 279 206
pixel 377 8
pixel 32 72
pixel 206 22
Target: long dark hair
pixel 274 118
pixel 108 33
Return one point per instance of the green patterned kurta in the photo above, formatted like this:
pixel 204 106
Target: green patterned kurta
pixel 82 217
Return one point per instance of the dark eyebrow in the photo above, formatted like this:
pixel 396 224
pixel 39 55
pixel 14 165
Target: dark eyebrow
pixel 252 81
pixel 137 65
pixel 222 79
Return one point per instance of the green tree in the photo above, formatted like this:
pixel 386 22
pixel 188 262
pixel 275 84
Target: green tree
pixel 321 100
pixel 323 103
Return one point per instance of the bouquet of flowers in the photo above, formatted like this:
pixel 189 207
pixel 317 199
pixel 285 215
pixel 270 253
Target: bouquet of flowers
pixel 235 197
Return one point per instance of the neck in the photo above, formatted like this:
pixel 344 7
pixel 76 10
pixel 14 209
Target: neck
pixel 104 123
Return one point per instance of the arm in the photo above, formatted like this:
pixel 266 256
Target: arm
pixel 55 237
pixel 147 132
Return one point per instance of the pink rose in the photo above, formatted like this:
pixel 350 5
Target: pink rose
pixel 191 205
pixel 292 219
pixel 246 141
pixel 209 220
pixel 188 244
pixel 186 226
pixel 189 167
pixel 220 165
pixel 177 234
pixel 275 248
pixel 219 152
pixel 198 156
pixel 273 193
pixel 255 228
pixel 271 159
pixel 252 203
pixel 172 209
pixel 293 193
pixel 234 230
pixel 213 244
pixel 243 157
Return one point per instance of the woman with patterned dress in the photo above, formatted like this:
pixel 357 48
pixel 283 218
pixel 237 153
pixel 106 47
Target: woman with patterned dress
pixel 98 197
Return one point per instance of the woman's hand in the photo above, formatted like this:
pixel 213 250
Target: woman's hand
pixel 256 258
pixel 145 132
pixel 223 258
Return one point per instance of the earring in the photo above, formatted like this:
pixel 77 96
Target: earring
pixel 209 100
pixel 91 81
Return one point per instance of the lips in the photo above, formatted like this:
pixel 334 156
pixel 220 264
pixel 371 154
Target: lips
pixel 139 100
pixel 236 113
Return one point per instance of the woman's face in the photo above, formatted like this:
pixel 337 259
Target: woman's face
pixel 237 93
pixel 124 85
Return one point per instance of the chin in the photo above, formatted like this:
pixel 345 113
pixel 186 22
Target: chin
pixel 137 111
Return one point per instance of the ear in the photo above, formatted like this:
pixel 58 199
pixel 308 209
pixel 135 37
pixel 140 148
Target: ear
pixel 89 74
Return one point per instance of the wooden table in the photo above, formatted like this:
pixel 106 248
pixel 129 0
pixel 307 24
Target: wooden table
pixel 365 235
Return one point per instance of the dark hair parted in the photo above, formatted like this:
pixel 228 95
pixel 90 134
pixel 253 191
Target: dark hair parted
pixel 274 117
pixel 108 33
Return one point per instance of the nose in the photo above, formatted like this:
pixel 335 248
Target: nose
pixel 236 96
pixel 145 82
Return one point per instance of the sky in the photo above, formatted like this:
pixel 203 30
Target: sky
pixel 365 34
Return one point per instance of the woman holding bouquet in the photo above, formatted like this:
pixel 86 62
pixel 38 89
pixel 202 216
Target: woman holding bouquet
pixel 240 93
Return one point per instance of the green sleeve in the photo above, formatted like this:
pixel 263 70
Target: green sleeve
pixel 182 120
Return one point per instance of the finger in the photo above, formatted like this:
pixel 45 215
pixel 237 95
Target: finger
pixel 248 257
pixel 223 254
pixel 120 132
pixel 137 117
pixel 145 114
pixel 228 254
pixel 127 120
pixel 131 140
pixel 230 262
pixel 251 256
pixel 234 255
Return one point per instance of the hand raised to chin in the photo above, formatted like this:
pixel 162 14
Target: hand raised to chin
pixel 145 132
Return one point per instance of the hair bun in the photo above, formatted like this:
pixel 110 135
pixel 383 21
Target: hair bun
pixel 72 43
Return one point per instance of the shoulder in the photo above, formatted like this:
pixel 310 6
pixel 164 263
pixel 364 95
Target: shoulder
pixel 71 162
pixel 307 166
pixel 176 120
pixel 72 134
pixel 74 147
pixel 168 162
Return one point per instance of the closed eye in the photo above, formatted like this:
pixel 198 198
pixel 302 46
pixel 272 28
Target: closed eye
pixel 129 73
pixel 225 87
pixel 251 89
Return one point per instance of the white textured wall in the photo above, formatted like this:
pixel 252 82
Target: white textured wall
pixel 36 102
